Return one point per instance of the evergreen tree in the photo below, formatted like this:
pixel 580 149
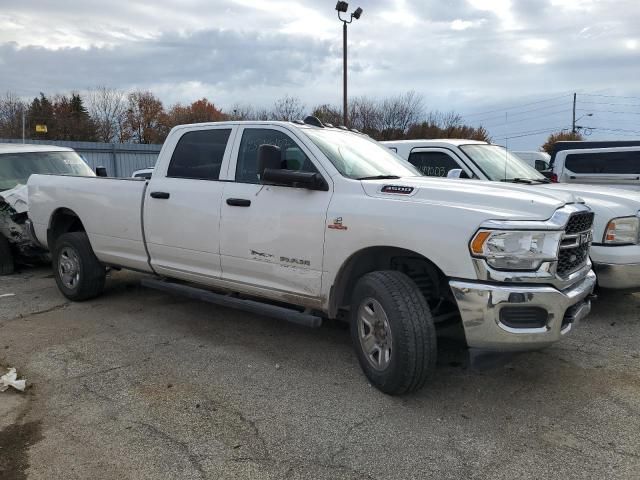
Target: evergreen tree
pixel 40 112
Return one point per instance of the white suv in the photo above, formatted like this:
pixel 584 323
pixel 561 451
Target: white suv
pixel 615 166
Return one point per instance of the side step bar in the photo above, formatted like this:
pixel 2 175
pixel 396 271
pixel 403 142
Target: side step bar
pixel 252 306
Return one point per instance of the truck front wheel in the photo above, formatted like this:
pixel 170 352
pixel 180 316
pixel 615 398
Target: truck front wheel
pixel 393 332
pixel 6 257
pixel 78 273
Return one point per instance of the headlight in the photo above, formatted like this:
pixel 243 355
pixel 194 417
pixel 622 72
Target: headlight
pixel 622 231
pixel 516 250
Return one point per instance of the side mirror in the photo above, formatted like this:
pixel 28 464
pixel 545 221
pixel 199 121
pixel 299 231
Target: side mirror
pixel 293 178
pixel 269 157
pixel 457 173
pixel 101 172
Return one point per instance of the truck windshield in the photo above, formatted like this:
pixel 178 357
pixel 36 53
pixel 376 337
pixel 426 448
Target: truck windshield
pixel 500 165
pixel 356 156
pixel 16 168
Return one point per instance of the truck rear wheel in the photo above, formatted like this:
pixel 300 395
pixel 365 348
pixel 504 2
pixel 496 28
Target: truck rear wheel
pixel 78 273
pixel 393 332
pixel 6 257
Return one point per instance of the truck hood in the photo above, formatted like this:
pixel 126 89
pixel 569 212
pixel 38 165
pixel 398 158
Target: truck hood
pixel 607 203
pixel 501 201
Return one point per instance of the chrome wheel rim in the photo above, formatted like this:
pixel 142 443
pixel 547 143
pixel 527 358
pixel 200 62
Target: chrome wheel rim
pixel 374 333
pixel 69 268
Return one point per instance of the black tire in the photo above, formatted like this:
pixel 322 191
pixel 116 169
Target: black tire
pixel 412 353
pixel 89 282
pixel 6 257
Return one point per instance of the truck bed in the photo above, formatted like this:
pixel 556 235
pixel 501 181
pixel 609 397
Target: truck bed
pixel 110 210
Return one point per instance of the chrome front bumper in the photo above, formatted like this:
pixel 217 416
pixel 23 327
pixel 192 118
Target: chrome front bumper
pixel 625 276
pixel 480 305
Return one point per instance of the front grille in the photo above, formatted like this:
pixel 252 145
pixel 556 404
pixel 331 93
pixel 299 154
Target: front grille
pixel 572 259
pixel 574 248
pixel 579 222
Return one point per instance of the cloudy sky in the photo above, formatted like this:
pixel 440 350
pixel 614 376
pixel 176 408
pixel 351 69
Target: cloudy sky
pixel 511 65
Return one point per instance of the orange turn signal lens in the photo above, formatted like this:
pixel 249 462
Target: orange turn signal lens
pixel 478 241
pixel 611 231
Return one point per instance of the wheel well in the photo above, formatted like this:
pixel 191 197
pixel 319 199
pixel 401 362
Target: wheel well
pixel 63 221
pixel 431 281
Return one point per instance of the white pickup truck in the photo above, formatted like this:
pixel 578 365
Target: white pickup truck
pixel 318 222
pixel 616 246
pixel 17 163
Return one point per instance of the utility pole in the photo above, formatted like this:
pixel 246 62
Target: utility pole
pixel 23 122
pixel 573 123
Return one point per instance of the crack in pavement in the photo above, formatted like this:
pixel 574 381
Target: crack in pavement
pixel 183 446
pixel 38 312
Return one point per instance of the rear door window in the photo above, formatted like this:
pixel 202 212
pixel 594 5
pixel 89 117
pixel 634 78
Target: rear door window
pixel 199 154
pixel 604 162
pixel 433 164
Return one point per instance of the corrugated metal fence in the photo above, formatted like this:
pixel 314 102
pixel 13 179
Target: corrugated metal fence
pixel 121 159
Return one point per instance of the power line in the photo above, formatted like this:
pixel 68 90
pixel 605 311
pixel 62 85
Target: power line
pixel 613 129
pixel 509 122
pixel 530 132
pixel 613 104
pixel 516 106
pixel 607 111
pixel 517 113
pixel 620 134
pixel 548 130
pixel 607 96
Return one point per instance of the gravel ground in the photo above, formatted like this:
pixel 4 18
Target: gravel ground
pixel 140 384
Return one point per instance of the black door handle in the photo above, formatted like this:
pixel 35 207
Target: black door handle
pixel 238 202
pixel 160 195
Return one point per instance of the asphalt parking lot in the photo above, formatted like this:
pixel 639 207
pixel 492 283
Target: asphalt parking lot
pixel 141 384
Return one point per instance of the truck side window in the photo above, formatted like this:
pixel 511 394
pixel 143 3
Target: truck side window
pixel 604 162
pixel 541 165
pixel 433 164
pixel 293 156
pixel 198 155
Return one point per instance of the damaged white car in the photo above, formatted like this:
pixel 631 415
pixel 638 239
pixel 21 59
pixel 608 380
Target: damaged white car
pixel 17 163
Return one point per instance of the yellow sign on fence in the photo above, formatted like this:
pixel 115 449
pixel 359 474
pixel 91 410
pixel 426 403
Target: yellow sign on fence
pixel 41 129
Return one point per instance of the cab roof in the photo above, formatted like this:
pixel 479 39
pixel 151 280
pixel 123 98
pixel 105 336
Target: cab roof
pixel 436 141
pixel 27 148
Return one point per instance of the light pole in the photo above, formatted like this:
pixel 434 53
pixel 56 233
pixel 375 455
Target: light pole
pixel 578 127
pixel 342 7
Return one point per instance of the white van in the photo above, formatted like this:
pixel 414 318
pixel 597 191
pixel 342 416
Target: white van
pixel 541 161
pixel 615 167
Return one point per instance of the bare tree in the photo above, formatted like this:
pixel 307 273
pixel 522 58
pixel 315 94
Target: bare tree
pixel 108 109
pixel 288 108
pixel 400 112
pixel 241 111
pixel 365 114
pixel 328 114
pixel 444 120
pixel 12 108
